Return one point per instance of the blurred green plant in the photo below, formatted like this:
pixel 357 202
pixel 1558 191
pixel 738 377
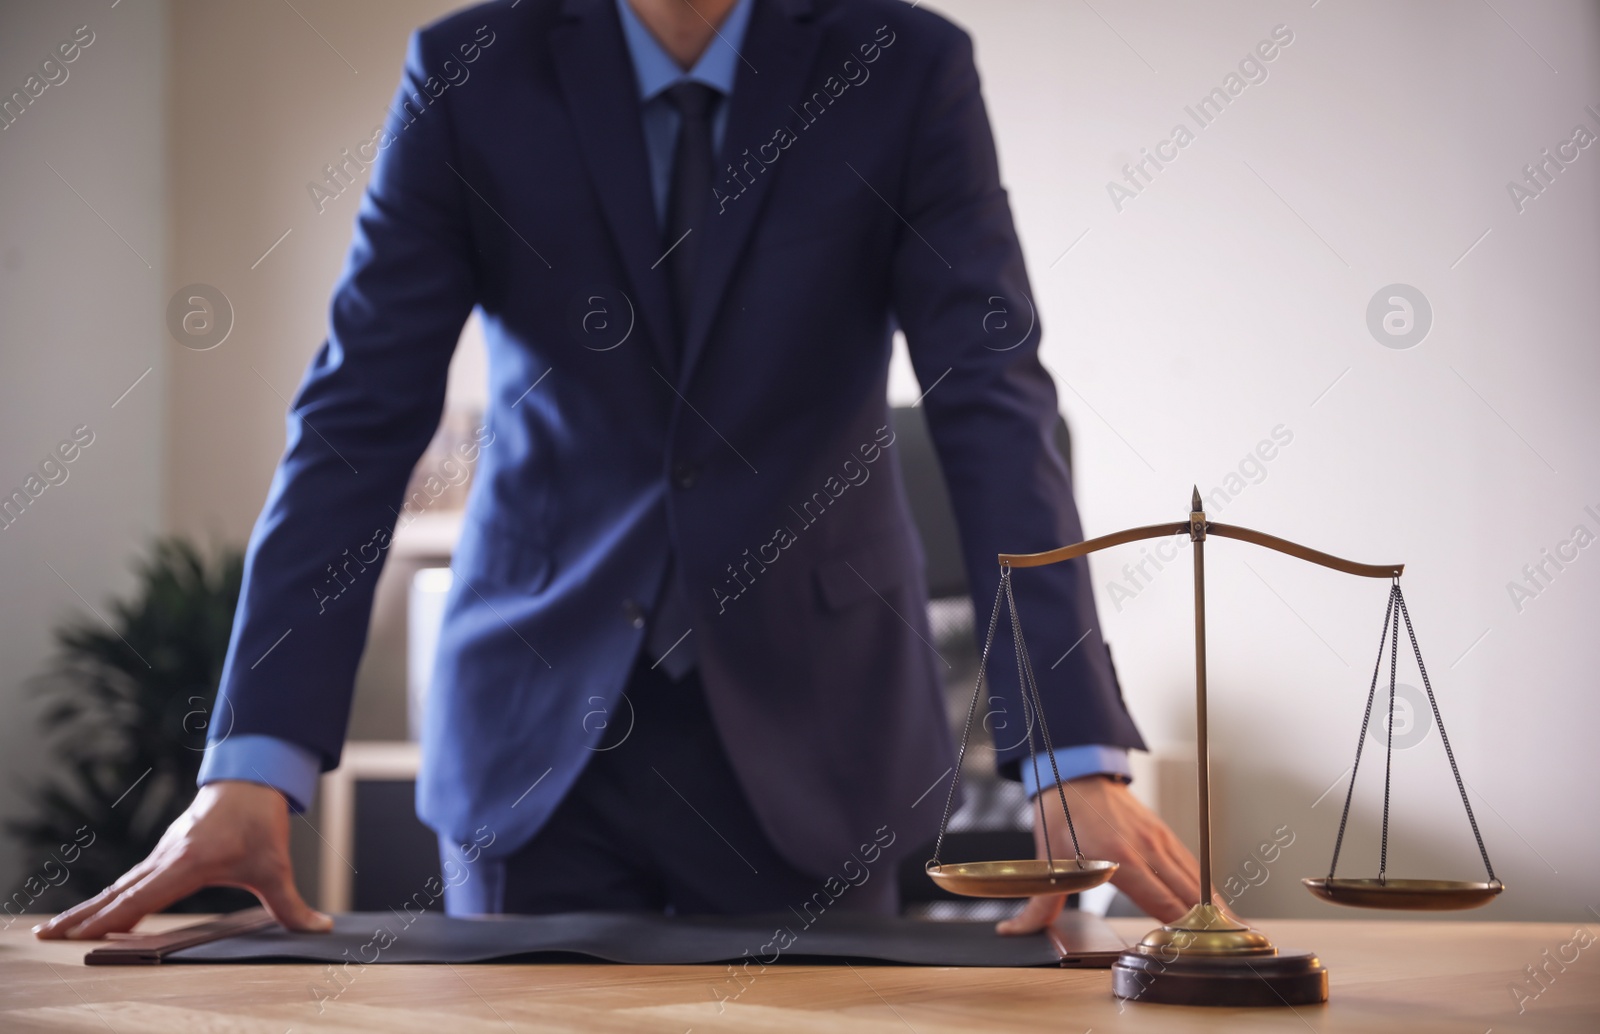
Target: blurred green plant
pixel 127 709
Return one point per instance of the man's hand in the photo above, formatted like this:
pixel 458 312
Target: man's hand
pixel 235 834
pixel 1157 871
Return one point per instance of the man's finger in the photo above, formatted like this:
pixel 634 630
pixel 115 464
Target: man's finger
pixel 151 894
pixel 1180 875
pixel 282 899
pixel 1178 852
pixel 1136 880
pixel 1037 914
pixel 57 926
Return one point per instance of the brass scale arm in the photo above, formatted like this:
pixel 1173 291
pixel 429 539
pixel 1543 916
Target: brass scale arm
pixel 1197 528
pixel 1227 531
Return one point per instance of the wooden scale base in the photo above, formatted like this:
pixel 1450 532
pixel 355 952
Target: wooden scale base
pixel 1284 978
pixel 1206 958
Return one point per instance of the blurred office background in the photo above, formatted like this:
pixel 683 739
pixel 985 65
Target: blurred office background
pixel 1329 260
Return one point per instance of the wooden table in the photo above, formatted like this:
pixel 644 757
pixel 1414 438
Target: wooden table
pixel 1386 976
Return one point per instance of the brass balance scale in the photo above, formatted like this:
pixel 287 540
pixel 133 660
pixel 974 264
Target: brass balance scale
pixel 1207 957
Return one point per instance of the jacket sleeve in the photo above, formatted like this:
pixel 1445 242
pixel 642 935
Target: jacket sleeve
pixel 367 408
pixel 962 296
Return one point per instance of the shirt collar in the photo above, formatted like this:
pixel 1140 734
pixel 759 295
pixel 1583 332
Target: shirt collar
pixel 655 69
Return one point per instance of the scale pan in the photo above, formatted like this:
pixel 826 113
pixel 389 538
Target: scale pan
pixel 1408 895
pixel 1021 878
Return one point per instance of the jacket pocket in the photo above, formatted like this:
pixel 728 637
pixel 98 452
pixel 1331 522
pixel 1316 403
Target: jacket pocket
pixel 864 571
pixel 492 554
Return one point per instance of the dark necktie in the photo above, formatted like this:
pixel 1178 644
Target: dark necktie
pixel 687 197
pixel 689 192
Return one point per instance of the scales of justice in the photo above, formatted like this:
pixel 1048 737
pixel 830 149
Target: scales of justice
pixel 1206 957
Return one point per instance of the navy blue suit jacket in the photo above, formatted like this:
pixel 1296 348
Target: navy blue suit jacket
pixel 861 190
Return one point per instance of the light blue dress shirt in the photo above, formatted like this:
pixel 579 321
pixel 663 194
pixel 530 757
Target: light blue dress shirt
pixel 292 769
pixel 1072 762
pixel 657 71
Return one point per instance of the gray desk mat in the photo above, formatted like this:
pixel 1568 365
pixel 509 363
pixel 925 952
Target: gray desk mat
pixel 393 937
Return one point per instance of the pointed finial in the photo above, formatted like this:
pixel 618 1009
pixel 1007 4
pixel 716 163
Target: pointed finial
pixel 1194 501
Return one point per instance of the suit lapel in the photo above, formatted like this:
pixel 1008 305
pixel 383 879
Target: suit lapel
pixel 780 47
pixel 597 82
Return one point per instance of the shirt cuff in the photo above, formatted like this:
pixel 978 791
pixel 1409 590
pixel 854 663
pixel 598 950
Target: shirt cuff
pixel 1073 762
pixel 287 767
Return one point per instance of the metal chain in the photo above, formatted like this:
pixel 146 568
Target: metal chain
pixel 1033 753
pixel 1397 611
pixel 1031 685
pixel 972 708
pixel 1349 795
pixel 1388 760
pixel 1460 785
pixel 1020 652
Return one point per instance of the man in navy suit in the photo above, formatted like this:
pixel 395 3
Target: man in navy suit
pixel 691 227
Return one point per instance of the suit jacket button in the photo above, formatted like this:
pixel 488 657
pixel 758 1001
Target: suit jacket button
pixel 684 474
pixel 633 612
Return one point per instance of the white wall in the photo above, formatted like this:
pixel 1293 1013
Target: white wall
pixel 83 290
pixel 1228 296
